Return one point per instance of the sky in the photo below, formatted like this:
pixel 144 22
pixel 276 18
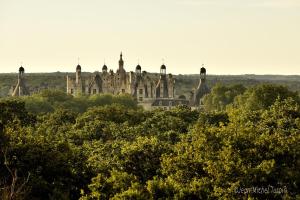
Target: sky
pixel 227 36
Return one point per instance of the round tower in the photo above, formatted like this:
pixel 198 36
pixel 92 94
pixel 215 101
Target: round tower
pixel 21 71
pixel 20 89
pixel 163 70
pixel 202 88
pixel 138 70
pixel 78 73
pixel 104 69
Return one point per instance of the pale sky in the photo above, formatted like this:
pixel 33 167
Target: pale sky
pixel 228 36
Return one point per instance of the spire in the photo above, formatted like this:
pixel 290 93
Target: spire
pixel 121 63
pixel 104 68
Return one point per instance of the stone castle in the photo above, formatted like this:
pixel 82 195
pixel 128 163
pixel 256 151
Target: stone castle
pixel 148 90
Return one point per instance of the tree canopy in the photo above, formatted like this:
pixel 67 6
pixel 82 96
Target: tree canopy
pixel 55 146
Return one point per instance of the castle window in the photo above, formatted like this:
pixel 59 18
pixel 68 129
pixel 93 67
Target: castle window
pixel 94 91
pixel 160 103
pixel 123 91
pixel 141 91
pixel 72 91
pixel 140 98
pixel 170 103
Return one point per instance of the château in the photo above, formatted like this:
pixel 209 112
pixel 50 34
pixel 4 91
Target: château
pixel 148 89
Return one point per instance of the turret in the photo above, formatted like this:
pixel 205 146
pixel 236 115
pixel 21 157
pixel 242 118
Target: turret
pixel 163 70
pixel 138 78
pixel 78 74
pixel 162 85
pixel 202 88
pixel 138 70
pixel 21 71
pixel 202 73
pixel 104 69
pixel 20 89
pixel 121 63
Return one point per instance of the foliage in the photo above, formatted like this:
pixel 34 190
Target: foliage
pixel 221 96
pixel 106 147
pixel 263 96
pixel 49 100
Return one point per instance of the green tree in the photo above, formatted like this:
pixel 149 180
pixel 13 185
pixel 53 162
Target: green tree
pixel 216 161
pixel 263 96
pixel 221 96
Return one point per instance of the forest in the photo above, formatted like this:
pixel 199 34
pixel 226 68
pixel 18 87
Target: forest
pixel 244 143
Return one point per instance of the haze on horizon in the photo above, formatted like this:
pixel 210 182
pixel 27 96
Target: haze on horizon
pixel 228 36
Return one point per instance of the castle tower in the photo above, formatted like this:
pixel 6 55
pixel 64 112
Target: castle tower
pixel 163 70
pixel 121 80
pixel 138 77
pixel 162 85
pixel 202 88
pixel 138 70
pixel 104 69
pixel 78 74
pixel 121 64
pixel 202 74
pixel 21 89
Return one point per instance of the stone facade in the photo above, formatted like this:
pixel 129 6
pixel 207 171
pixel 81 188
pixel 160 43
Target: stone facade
pixel 141 85
pixel 149 90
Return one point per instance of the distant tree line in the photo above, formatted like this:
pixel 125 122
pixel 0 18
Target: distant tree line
pixel 184 83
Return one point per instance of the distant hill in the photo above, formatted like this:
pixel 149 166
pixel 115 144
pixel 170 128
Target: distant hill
pixel 184 83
